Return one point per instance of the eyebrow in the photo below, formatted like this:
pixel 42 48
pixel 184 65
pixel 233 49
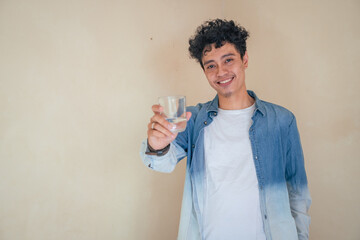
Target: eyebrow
pixel 224 56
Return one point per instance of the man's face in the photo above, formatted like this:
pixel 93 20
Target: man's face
pixel 225 70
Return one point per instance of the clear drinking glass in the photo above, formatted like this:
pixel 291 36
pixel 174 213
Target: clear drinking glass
pixel 174 111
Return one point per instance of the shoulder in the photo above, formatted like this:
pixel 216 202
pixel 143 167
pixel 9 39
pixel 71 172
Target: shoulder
pixel 198 112
pixel 198 109
pixel 280 113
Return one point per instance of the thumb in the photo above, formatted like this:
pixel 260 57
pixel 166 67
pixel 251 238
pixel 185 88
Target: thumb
pixel 188 115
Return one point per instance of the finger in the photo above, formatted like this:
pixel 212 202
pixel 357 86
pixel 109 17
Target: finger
pixel 150 126
pixel 188 116
pixel 164 130
pixel 155 133
pixel 157 108
pixel 158 127
pixel 157 118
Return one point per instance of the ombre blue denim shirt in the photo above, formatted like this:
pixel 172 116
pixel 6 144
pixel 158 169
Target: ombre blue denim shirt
pixel 279 164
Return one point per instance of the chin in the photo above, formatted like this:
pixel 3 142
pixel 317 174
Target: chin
pixel 228 94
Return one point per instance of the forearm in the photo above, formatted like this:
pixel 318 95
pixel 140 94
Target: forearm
pixel 164 163
pixel 297 184
pixel 300 201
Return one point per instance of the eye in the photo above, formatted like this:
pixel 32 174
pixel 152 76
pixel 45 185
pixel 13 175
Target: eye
pixel 211 66
pixel 228 60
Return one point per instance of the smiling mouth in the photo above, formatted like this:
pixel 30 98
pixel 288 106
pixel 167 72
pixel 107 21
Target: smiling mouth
pixel 225 82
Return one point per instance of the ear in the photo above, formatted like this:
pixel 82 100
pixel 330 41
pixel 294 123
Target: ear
pixel 245 59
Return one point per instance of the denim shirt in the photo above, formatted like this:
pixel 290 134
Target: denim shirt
pixel 279 164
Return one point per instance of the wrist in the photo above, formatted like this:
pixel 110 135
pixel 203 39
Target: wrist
pixel 159 152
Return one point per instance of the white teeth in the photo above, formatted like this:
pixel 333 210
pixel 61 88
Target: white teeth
pixel 225 81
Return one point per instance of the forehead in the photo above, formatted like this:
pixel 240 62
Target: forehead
pixel 211 51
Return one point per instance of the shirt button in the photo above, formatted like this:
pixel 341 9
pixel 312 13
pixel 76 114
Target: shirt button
pixel 193 146
pixel 255 157
pixel 205 122
pixel 265 216
pixel 215 113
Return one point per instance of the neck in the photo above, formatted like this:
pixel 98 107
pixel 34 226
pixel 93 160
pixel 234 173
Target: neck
pixel 236 102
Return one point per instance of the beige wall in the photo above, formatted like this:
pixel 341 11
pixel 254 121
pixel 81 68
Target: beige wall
pixel 305 55
pixel 77 79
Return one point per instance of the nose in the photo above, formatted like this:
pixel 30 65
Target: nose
pixel 222 70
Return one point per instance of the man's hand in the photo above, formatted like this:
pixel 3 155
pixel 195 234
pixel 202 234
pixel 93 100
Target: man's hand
pixel 159 134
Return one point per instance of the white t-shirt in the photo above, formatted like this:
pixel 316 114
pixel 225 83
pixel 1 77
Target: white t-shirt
pixel 232 208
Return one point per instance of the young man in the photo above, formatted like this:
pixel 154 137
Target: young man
pixel 245 175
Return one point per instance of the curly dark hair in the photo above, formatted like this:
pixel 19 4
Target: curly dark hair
pixel 217 31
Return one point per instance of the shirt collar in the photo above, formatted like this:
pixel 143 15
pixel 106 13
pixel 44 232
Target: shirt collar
pixel 259 105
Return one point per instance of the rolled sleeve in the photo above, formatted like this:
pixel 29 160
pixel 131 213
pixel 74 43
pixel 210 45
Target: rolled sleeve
pixel 166 163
